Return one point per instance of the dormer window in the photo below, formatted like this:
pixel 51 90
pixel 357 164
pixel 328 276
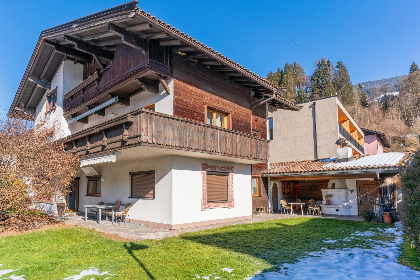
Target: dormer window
pixel 51 100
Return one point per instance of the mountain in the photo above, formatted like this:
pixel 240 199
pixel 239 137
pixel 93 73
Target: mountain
pixel 392 82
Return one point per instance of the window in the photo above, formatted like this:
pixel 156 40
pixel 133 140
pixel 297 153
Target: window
pixel 217 118
pixel 143 184
pixel 94 186
pixel 270 128
pixel 217 187
pixel 150 107
pixel 255 186
pixel 51 100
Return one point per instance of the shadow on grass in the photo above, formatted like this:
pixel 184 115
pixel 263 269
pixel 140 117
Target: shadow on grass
pixel 130 247
pixel 279 241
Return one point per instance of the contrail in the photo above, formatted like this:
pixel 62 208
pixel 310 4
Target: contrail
pixel 289 44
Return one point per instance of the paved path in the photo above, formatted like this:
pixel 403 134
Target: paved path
pixel 131 231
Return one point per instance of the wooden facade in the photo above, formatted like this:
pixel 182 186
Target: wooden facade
pixel 144 127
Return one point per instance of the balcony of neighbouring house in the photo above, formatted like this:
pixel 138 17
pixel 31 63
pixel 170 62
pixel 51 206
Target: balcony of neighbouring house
pixel 152 134
pixel 356 144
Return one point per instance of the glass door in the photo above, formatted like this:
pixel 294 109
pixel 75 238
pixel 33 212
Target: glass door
pixel 73 196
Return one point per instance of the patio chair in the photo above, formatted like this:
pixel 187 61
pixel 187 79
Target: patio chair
pixel 316 207
pixel 285 206
pixel 107 213
pixel 95 211
pixel 123 214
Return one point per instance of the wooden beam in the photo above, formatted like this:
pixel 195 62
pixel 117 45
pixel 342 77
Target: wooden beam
pixel 158 35
pixel 198 55
pixel 47 65
pixel 239 79
pixel 170 43
pixel 210 62
pixel 98 36
pixel 164 84
pixel 233 74
pixel 321 177
pixel 109 43
pixel 149 85
pixel 222 68
pixel 89 48
pixel 184 49
pixel 139 27
pixel 42 84
pixel 70 52
pixel 129 38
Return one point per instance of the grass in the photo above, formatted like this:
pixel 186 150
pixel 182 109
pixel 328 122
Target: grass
pixel 409 256
pixel 247 248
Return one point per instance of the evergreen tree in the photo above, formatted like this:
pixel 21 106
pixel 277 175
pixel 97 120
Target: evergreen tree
pixel 322 79
pixel 414 67
pixel 288 82
pixel 343 85
pixel 276 77
pixel 301 96
pixel 362 96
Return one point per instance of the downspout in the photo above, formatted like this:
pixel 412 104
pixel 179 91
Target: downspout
pixel 314 131
pixel 268 132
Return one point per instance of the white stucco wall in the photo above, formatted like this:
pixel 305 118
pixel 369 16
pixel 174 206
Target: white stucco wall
pixel 68 75
pixel 187 191
pixel 115 185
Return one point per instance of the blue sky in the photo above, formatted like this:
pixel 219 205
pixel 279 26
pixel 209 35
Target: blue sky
pixel 374 39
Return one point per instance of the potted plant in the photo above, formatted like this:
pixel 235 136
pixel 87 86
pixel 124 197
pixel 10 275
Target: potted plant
pixel 387 216
pixel 327 199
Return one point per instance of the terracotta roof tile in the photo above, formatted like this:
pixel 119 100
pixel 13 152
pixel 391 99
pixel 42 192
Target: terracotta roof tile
pixel 385 160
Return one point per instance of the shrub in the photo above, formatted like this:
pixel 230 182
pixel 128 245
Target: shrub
pixel 368 215
pixel 410 213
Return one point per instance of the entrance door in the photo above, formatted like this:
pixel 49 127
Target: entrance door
pixel 275 196
pixel 367 195
pixel 73 196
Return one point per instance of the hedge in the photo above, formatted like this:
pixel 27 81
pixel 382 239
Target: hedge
pixel 411 201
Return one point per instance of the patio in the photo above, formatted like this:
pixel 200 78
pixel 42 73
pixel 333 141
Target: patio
pixel 136 232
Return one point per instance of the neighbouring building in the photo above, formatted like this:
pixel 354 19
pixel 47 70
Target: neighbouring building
pixel 158 119
pixel 375 142
pixel 367 183
pixel 313 132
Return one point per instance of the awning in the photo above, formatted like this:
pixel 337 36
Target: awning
pixel 101 159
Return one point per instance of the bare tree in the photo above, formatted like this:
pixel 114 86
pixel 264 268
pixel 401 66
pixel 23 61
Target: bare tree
pixel 33 167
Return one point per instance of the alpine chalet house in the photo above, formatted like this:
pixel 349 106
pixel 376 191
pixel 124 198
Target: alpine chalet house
pixel 158 119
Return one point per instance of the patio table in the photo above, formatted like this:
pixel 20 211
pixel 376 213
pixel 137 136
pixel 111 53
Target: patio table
pixel 100 208
pixel 297 204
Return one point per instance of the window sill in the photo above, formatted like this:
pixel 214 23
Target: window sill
pixel 141 198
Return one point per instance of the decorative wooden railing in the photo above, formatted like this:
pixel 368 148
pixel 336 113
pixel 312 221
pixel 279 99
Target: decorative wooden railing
pixel 144 127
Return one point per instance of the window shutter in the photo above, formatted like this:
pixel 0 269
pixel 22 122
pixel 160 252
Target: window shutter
pixel 143 185
pixel 217 187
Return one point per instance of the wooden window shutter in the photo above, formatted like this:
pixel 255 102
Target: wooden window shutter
pixel 217 186
pixel 143 184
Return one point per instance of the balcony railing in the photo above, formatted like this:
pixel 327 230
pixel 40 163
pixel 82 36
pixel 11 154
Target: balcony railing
pixel 350 138
pixel 148 128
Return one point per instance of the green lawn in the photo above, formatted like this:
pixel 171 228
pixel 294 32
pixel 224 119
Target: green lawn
pixel 409 256
pixel 247 248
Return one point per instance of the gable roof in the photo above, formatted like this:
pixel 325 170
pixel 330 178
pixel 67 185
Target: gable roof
pixel 385 162
pixel 94 29
pixel 381 136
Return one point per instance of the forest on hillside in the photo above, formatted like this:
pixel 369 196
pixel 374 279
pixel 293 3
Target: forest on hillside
pixel 398 116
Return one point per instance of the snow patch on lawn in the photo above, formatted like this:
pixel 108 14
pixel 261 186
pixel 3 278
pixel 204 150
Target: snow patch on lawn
pixel 83 273
pixel 228 269
pixel 329 241
pixel 14 277
pixel 6 271
pixel 379 262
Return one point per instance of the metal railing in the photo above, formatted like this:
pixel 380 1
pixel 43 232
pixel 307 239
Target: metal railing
pixel 350 138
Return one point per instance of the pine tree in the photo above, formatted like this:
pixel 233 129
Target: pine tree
pixel 343 85
pixel 276 77
pixel 414 67
pixel 322 79
pixel 361 93
pixel 301 96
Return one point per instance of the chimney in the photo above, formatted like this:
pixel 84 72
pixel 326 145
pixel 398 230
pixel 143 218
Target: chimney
pixel 344 153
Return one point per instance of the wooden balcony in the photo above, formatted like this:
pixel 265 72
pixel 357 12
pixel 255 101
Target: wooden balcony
pixel 148 128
